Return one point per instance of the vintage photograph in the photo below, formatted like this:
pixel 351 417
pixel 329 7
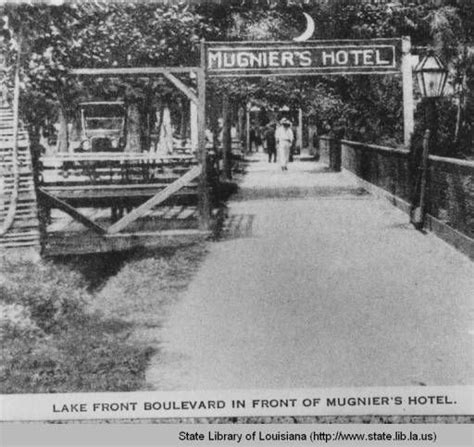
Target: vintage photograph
pixel 236 195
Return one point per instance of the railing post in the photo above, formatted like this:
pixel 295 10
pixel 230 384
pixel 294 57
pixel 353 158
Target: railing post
pixel 334 153
pixel 226 137
pixel 247 128
pixel 407 87
pixel 337 155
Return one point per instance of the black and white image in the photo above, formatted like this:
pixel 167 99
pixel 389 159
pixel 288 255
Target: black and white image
pixel 236 195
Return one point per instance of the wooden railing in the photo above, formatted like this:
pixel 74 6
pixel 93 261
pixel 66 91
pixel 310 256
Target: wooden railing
pixel 111 169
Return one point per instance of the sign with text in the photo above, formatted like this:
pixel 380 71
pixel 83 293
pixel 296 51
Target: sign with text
pixel 378 56
pixel 414 400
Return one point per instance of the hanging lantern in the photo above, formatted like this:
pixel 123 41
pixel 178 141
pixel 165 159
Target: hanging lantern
pixel 432 75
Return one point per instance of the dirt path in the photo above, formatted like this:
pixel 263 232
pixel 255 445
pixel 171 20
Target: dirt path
pixel 324 286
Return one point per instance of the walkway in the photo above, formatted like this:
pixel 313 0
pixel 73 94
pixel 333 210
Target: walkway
pixel 325 286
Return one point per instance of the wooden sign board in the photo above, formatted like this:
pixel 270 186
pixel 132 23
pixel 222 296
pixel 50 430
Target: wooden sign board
pixel 310 58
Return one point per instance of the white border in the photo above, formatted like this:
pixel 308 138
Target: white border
pixel 420 400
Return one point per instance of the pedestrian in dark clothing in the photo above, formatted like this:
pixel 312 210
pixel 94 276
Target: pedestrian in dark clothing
pixel 258 140
pixel 251 138
pixel 271 143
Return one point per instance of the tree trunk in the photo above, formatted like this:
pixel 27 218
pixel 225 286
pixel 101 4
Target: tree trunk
pixel 34 132
pixel 183 128
pixel 133 129
pixel 241 128
pixel 165 140
pixel 63 134
pixel 459 110
pixel 214 119
pixel 213 114
pixel 146 120
pixel 158 123
pixel 226 137
pixel 144 130
pixel 76 130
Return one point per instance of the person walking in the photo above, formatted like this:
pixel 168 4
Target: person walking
pixel 251 138
pixel 284 139
pixel 258 140
pixel 271 143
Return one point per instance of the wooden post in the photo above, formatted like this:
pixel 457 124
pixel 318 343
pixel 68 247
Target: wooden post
pixel 63 134
pixel 204 195
pixel 407 86
pixel 226 137
pixel 241 120
pixel 299 132
pixel 194 128
pixel 183 122
pixel 418 213
pixel 133 143
pixel 214 111
pixel 247 128
pixel 429 138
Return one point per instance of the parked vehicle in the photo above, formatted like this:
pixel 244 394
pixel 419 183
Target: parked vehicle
pixel 102 126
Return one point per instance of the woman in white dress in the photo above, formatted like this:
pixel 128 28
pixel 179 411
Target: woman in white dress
pixel 284 139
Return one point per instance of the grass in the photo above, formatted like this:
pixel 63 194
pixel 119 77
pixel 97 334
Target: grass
pixel 156 281
pixel 52 343
pixel 66 329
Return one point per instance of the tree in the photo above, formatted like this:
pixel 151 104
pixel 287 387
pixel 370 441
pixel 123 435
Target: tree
pixel 102 35
pixel 108 34
pixel 449 27
pixel 444 25
pixel 43 73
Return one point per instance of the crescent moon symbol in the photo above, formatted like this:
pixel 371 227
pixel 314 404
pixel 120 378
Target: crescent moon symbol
pixel 309 29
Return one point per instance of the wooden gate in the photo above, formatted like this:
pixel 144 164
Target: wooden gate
pixel 140 189
pixel 117 201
